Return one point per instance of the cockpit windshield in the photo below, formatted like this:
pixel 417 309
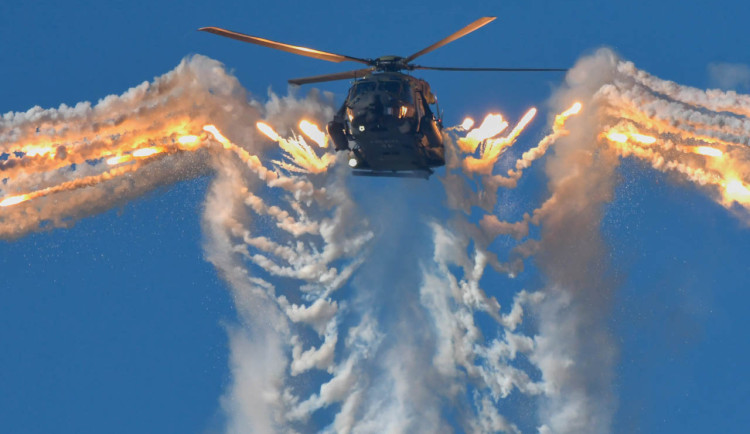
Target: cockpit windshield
pixel 392 87
pixel 363 87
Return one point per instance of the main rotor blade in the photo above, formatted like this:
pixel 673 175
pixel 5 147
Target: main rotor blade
pixel 303 51
pixel 463 32
pixel 331 77
pixel 445 68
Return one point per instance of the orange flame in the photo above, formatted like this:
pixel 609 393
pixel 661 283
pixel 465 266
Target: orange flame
pixel 562 117
pixel 218 136
pixel 14 200
pixel 708 151
pixel 268 131
pixel 528 117
pixel 147 152
pixel 617 137
pixel 494 147
pixel 138 153
pixel 187 140
pixel 314 133
pixel 113 148
pixel 624 136
pixel 718 171
pixel 119 159
pixel 736 190
pixel 573 110
pixel 492 125
pixel 467 124
pixel 34 151
pixel 643 139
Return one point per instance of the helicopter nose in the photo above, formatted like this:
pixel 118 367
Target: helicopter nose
pixel 374 108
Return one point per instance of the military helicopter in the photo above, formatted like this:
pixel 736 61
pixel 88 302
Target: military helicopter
pixel 387 123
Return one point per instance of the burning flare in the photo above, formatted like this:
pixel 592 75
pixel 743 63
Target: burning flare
pixel 719 170
pixel 707 151
pixel 617 137
pixel 736 191
pixel 314 133
pixel 39 151
pixel 492 125
pixel 625 136
pixel 218 136
pixel 14 200
pixel 467 124
pixel 491 148
pixel 299 156
pixel 147 152
pixel 124 152
pixel 268 131
pixel 119 159
pixel 188 140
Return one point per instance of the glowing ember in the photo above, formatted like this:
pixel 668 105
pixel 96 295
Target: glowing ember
pixel 14 200
pixel 147 152
pixel 493 148
pixel 187 140
pixel 218 136
pixel 491 126
pixel 573 110
pixel 623 137
pixel 113 161
pixel 528 117
pixel 617 137
pixel 467 124
pixel 313 132
pixel 302 157
pixel 268 131
pixel 562 117
pixel 643 139
pixel 34 151
pixel 737 191
pixel 708 151
pixel 299 156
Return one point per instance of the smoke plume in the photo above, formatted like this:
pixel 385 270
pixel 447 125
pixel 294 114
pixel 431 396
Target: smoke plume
pixel 380 306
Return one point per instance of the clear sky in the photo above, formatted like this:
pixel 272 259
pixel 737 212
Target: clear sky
pixel 117 324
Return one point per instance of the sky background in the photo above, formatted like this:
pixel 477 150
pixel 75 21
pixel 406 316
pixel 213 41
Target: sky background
pixel 118 324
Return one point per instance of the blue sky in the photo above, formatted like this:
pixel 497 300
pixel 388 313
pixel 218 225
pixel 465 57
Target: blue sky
pixel 117 323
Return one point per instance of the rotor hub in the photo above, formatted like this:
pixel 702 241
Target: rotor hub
pixel 390 63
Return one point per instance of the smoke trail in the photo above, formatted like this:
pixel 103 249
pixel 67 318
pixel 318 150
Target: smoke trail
pixel 62 164
pixel 700 136
pixel 59 165
pixel 575 352
pixel 370 312
pixel 301 316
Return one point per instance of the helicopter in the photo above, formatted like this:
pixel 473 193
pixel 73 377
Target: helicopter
pixel 389 124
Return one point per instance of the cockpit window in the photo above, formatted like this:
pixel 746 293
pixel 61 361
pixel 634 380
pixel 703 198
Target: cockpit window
pixel 363 87
pixel 393 87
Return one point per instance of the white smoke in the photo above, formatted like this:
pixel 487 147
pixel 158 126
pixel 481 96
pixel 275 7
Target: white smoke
pixel 197 92
pixel 363 306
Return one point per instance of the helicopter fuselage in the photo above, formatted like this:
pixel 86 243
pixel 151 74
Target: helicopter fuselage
pixel 387 125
